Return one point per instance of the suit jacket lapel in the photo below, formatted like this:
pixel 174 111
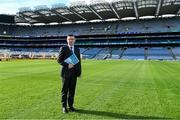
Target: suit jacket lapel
pixel 68 52
pixel 75 51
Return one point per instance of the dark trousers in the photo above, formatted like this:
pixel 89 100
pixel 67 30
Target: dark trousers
pixel 68 88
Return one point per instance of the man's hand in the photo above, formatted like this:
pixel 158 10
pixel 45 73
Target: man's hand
pixel 70 66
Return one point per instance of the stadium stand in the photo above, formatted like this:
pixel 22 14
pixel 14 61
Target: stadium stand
pixel 99 37
pixel 116 53
pixel 159 53
pixel 134 54
pixel 176 52
pixel 121 27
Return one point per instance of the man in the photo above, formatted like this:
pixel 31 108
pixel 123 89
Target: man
pixel 69 73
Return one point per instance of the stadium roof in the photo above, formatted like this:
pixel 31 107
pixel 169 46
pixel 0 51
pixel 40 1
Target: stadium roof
pixel 97 10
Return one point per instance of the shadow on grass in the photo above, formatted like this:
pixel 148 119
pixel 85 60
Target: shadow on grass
pixel 116 115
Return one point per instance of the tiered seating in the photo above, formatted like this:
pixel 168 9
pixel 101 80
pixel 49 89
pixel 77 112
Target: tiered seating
pixel 90 53
pixel 134 54
pixel 120 27
pixel 82 50
pixel 159 53
pixel 103 54
pixel 115 54
pixel 176 51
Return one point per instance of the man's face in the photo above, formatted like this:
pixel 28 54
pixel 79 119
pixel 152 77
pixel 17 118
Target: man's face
pixel 71 40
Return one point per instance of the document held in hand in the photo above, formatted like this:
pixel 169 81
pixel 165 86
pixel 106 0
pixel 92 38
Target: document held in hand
pixel 72 59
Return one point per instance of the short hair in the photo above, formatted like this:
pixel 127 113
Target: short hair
pixel 71 35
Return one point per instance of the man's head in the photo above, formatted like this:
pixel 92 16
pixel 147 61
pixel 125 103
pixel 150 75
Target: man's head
pixel 71 40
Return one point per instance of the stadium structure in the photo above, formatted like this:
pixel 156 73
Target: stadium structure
pixel 121 29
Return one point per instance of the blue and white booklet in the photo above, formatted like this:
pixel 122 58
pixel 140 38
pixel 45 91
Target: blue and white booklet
pixel 72 59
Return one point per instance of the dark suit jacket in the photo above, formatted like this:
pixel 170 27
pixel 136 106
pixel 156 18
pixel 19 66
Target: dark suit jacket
pixel 64 53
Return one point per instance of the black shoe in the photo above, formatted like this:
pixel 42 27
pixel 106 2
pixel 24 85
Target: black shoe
pixel 72 109
pixel 64 110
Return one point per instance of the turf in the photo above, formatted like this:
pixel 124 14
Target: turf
pixel 30 89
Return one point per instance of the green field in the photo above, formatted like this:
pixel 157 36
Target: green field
pixel 30 89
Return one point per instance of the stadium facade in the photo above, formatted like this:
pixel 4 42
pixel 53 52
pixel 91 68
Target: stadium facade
pixel 101 28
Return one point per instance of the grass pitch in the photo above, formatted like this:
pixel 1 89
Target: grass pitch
pixel 107 90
